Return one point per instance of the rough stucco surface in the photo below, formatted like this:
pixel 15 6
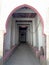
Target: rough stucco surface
pixel 23 56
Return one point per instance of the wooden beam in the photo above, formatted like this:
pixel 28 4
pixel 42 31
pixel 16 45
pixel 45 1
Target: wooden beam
pixel 24 15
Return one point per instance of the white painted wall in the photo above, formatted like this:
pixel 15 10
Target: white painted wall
pixel 13 33
pixel 39 33
pixel 38 37
pixel 36 29
pixel 11 36
pixel 44 41
pixel 34 33
pixel 14 3
pixel 16 34
pixel 7 40
pixel 28 35
pixel 25 11
pixel 31 34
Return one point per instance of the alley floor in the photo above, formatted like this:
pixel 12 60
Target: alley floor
pixel 23 55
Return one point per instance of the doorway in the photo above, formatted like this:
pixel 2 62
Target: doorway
pixel 22 34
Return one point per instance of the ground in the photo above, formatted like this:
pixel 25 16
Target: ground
pixel 23 55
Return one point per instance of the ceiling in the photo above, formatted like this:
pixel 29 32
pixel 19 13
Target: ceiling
pixel 24 12
pixel 24 15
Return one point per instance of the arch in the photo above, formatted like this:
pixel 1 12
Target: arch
pixel 31 7
pixel 35 10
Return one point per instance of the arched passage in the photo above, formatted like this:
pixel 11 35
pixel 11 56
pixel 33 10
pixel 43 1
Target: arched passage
pixel 10 36
pixel 30 8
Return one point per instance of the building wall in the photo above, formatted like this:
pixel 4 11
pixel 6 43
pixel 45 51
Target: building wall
pixel 16 34
pixel 7 40
pixel 13 32
pixel 14 3
pixel 29 34
pixel 41 6
pixel 38 36
pixel 39 33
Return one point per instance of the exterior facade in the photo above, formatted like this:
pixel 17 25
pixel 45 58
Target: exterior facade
pixel 40 7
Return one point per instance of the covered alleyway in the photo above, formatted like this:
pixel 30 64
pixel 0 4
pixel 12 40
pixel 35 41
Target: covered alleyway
pixel 23 55
pixel 24 26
